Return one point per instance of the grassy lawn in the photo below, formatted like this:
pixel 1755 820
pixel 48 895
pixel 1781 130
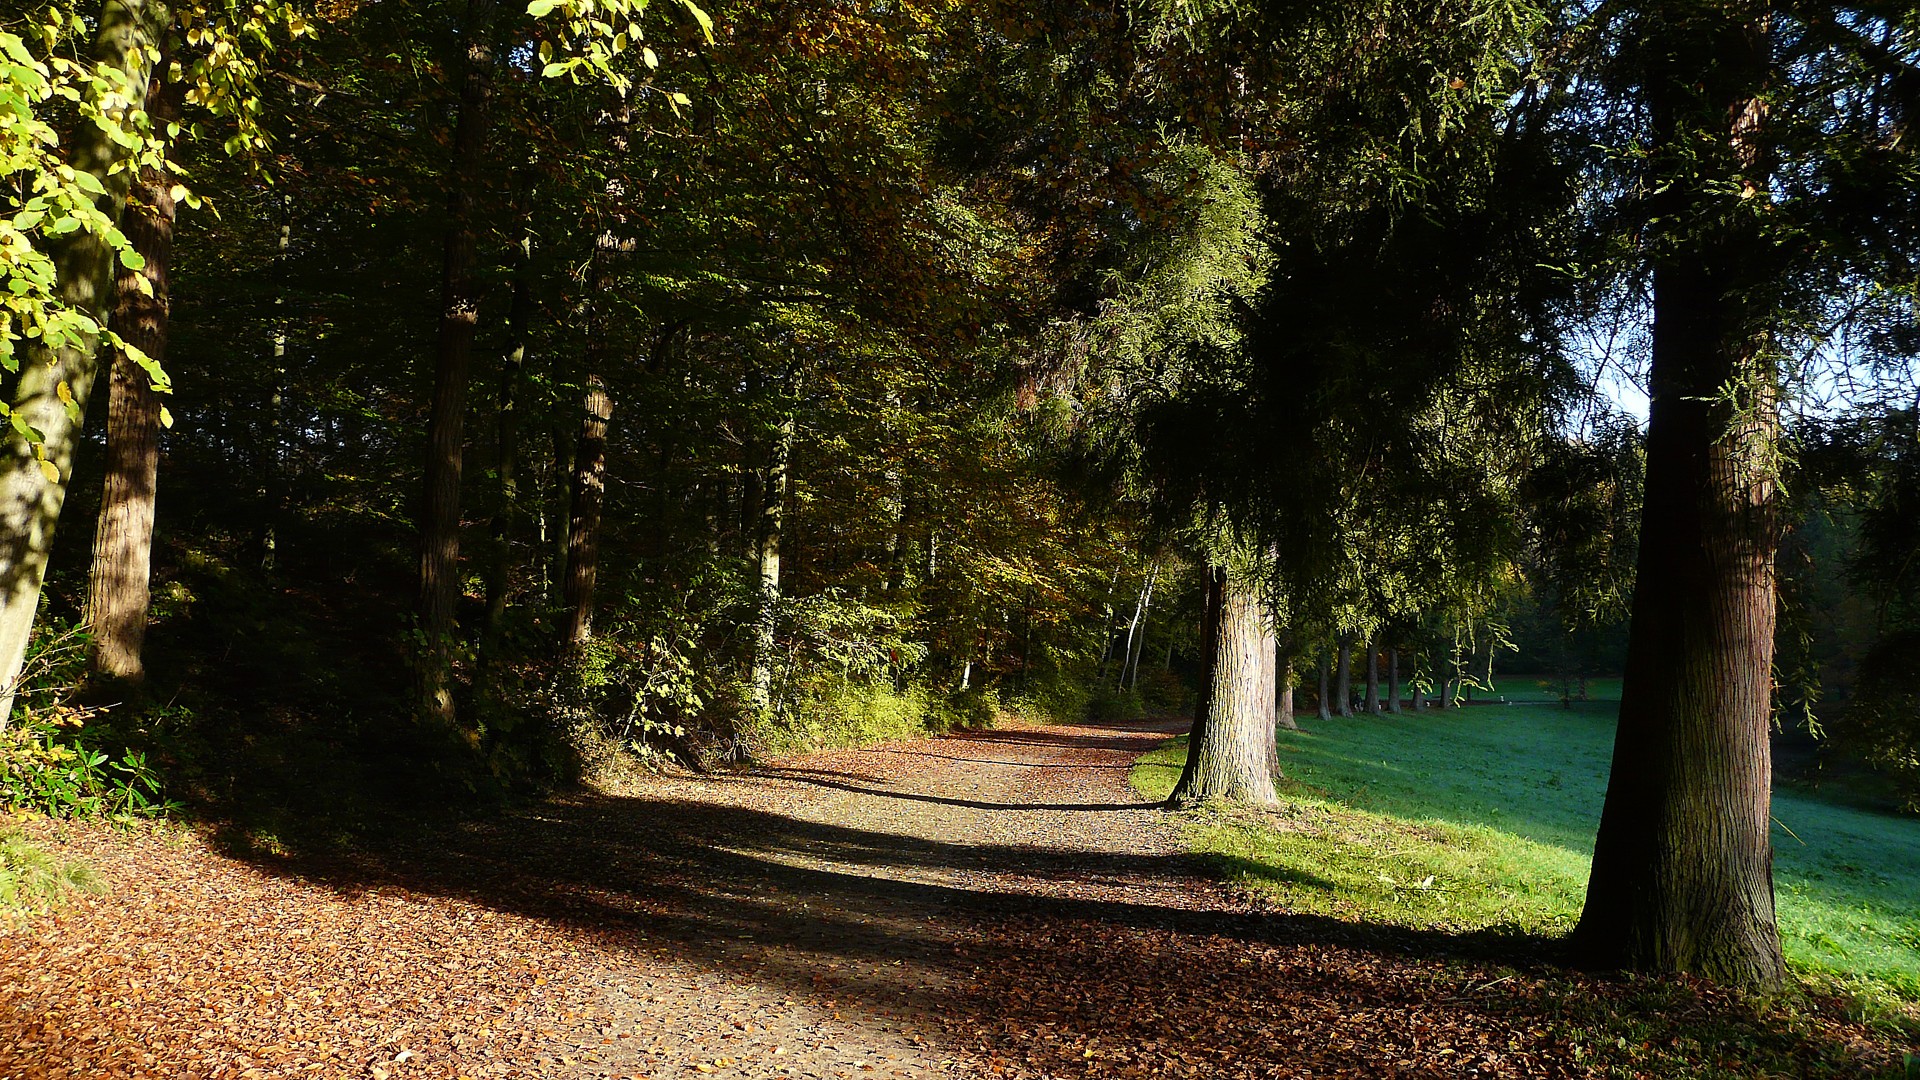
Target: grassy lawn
pixel 1484 818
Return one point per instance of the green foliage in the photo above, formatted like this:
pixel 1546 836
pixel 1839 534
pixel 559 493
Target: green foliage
pixel 51 761
pixel 1107 703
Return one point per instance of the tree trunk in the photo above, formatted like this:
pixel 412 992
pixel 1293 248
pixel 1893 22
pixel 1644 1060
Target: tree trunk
pixel 1325 702
pixel 1373 679
pixel 772 520
pixel 1343 688
pixel 129 34
pixel 583 523
pixel 117 588
pixel 1393 679
pixel 507 451
pixel 273 479
pixel 1683 865
pixel 1230 756
pixel 446 423
pixel 1283 713
pixel 1130 670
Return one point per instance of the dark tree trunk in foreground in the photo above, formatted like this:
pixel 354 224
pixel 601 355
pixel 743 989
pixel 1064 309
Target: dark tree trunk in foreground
pixel 1683 865
pixel 1343 682
pixel 117 588
pixel 583 524
pixel 1230 755
pixel 459 313
pixel 34 477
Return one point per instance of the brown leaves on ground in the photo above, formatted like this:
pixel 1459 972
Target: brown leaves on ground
pixel 991 905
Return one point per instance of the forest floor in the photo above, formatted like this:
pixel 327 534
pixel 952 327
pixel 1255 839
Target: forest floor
pixel 997 903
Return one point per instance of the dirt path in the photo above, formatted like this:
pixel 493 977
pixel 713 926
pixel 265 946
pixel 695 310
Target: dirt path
pixel 996 904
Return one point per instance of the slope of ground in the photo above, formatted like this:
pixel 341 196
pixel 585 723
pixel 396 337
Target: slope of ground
pixel 996 904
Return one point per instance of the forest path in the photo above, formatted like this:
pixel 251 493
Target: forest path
pixel 995 903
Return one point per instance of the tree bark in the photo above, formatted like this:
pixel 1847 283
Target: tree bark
pixel 453 354
pixel 120 576
pixel 1683 865
pixel 128 35
pixel 1230 756
pixel 772 522
pixel 583 523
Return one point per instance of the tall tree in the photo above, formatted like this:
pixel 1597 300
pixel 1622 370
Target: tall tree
pixel 117 588
pixel 446 424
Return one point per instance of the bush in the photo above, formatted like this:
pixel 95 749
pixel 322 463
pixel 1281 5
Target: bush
pixel 1108 703
pixel 48 762
pixel 30 878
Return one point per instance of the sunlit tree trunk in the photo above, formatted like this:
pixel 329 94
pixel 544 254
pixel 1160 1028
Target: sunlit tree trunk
pixel 453 354
pixel 34 478
pixel 119 578
pixel 1283 712
pixel 1231 751
pixel 1683 866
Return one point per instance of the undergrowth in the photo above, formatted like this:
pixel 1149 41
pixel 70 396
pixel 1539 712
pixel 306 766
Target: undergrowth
pixel 32 880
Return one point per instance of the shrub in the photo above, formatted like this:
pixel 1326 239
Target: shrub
pixel 49 764
pixel 1108 703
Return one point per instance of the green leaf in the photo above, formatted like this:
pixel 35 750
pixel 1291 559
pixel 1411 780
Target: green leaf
pixel 541 8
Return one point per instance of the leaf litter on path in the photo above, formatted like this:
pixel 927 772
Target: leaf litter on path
pixel 992 904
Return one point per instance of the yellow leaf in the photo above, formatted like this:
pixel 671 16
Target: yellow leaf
pixel 166 418
pixel 50 471
pixel 65 392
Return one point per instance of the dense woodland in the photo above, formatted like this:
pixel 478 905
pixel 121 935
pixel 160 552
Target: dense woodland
pixel 444 403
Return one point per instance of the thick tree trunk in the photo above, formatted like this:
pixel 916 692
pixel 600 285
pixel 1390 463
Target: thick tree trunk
pixel 1373 679
pixel 1343 689
pixel 1393 679
pixel 117 587
pixel 583 523
pixel 772 522
pixel 1683 866
pixel 453 354
pixel 1230 757
pixel 128 35
pixel 507 438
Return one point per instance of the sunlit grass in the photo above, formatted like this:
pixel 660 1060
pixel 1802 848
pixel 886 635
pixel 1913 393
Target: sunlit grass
pixel 30 879
pixel 1497 806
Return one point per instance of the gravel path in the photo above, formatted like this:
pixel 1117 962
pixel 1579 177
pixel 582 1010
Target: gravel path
pixel 985 905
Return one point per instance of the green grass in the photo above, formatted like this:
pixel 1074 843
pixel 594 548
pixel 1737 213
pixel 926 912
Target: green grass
pixel 1484 818
pixel 31 880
